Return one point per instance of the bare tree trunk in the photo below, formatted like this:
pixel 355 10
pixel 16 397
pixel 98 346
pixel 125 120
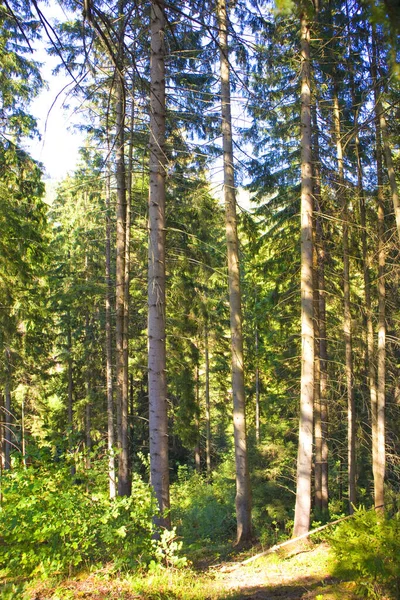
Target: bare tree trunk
pixel 381 397
pixel 23 436
pixel 378 431
pixel 7 420
pixel 366 258
pixel 70 407
pixel 2 432
pixel 320 403
pixel 347 329
pixel 124 487
pixel 109 383
pixel 197 457
pixel 158 416
pixel 128 198
pixel 207 391
pixel 243 492
pixel 323 355
pixel 317 386
pixel 320 366
pixel 257 382
pixel 304 456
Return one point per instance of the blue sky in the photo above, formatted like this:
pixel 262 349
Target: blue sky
pixel 59 144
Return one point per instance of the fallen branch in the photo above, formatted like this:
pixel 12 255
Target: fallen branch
pixel 286 543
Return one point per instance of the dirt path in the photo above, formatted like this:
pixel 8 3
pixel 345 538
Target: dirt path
pixel 306 575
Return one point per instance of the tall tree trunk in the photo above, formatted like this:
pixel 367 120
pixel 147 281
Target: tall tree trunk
pixel 257 385
pixel 23 434
pixel 88 407
pixel 124 487
pixel 317 386
pixel 243 492
pixel 366 258
pixel 321 372
pixel 109 383
pixel 366 261
pixel 129 176
pixel 197 457
pixel 207 392
pixel 347 329
pixel 304 456
pixel 70 407
pixel 2 432
pixel 378 431
pixel 323 355
pixel 7 420
pixel 158 417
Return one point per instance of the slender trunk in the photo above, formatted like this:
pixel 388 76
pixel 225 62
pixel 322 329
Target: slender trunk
pixel 317 386
pixel 379 430
pixel 257 382
pixel 109 383
pixel 207 391
pixel 197 457
pixel 158 416
pixel 23 437
pixel 2 432
pixel 304 456
pixel 88 407
pixel 347 329
pixel 366 260
pixel 70 413
pixel 7 420
pixel 243 493
pixel 125 394
pixel 124 487
pixel 321 420
pixel 323 355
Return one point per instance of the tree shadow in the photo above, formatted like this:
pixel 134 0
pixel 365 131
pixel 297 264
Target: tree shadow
pixel 304 588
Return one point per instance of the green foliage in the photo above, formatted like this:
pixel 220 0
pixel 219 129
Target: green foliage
pixel 50 523
pixel 367 548
pixel 167 551
pixel 203 512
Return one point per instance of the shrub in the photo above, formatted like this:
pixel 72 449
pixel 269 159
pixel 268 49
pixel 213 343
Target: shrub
pixel 50 524
pixel 202 511
pixel 367 548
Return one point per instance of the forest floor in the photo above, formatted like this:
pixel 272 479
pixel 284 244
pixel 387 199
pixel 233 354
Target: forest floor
pixel 305 575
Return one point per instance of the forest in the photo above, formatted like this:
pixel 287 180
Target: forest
pixel 199 328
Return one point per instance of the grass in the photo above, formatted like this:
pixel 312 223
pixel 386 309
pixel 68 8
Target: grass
pixel 307 575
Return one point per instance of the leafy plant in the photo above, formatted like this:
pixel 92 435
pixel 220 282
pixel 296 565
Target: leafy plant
pixel 367 548
pixel 203 512
pixel 49 523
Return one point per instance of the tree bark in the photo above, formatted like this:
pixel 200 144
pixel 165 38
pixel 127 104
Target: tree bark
pixel 257 385
pixel 2 432
pixel 7 420
pixel 321 371
pixel 128 199
pixel 124 487
pixel 207 392
pixel 304 456
pixel 378 419
pixel 158 416
pixel 109 382
pixel 243 492
pixel 347 326
pixel 197 456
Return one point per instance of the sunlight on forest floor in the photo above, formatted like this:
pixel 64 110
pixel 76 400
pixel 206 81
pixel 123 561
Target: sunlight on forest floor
pixel 306 576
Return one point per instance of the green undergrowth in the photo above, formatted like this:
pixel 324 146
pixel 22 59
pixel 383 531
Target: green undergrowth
pixel 367 548
pixel 50 522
